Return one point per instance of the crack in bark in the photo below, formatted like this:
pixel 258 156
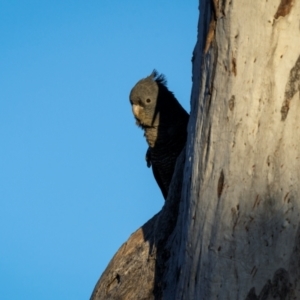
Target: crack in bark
pixel 231 103
pixel 292 87
pixel 210 34
pixel 233 61
pixel 221 184
pixel 212 25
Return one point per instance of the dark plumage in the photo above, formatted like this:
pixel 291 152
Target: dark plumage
pixel 164 122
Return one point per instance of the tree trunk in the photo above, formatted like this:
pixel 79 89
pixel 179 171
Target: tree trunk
pixel 233 232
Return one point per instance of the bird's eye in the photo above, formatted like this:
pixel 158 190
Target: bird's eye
pixel 148 100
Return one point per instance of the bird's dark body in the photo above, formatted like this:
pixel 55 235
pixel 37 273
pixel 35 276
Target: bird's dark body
pixel 164 122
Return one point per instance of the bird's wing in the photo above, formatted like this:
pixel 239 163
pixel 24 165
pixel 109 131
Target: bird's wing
pixel 156 174
pixel 148 157
pixel 159 181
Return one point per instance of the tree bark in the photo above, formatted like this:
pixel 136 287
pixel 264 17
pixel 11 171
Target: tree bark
pixel 138 268
pixel 232 231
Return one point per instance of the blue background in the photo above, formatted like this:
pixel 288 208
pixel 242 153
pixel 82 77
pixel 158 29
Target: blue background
pixel 73 178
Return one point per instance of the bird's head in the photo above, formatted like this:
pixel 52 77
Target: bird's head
pixel 145 100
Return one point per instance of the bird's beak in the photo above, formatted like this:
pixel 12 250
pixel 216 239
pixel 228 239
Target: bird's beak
pixel 136 110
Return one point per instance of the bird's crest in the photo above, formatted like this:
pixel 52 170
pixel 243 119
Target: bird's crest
pixel 159 78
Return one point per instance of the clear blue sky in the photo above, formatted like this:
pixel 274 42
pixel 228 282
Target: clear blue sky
pixel 73 178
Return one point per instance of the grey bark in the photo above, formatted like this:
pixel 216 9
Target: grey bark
pixel 233 230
